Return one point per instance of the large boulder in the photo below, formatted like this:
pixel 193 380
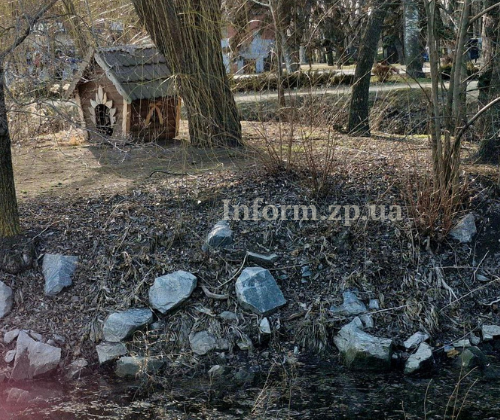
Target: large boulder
pixel 110 351
pixel 169 291
pixel 257 291
pixel 421 359
pixel 219 237
pixel 58 271
pixel 120 325
pixel 131 367
pixel 351 305
pixel 34 358
pixel 362 351
pixel 6 299
pixel 465 229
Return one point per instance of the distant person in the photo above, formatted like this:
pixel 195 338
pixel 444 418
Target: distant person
pixel 473 48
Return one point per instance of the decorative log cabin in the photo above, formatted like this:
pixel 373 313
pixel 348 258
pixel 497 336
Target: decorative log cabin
pixel 127 92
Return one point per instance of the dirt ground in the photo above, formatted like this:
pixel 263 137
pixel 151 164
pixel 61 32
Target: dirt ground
pixel 128 226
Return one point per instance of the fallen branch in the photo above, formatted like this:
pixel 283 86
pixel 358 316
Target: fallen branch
pixel 211 295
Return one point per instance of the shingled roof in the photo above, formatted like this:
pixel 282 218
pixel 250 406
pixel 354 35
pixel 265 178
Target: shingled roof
pixel 138 72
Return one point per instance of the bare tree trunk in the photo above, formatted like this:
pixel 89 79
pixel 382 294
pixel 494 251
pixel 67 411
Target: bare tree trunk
pixel 188 34
pixel 9 216
pixel 413 55
pixel 489 87
pixel 359 124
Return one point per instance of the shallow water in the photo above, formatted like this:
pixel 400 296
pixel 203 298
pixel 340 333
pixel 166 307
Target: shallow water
pixel 308 392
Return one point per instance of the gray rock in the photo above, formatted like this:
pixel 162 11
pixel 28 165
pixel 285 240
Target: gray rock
pixel 374 304
pixel 262 259
pixel 460 344
pixel 472 357
pixel 58 271
pixel 223 344
pixel 482 278
pixel 76 368
pixel 202 342
pixel 465 229
pixel 34 358
pixel 59 339
pixel 18 396
pixel 120 325
pixel 367 320
pixel 351 306
pixel 9 356
pixel 229 316
pixel 219 237
pixel 489 332
pixel 169 291
pixel 244 376
pixel 131 367
pixel 156 326
pixel 362 351
pixel 474 339
pixel 419 360
pixel 257 291
pixel 265 326
pixel 35 336
pixel 414 341
pixel 6 299
pixel 110 351
pixel 305 271
pixel 217 371
pixel 244 343
pixel 10 336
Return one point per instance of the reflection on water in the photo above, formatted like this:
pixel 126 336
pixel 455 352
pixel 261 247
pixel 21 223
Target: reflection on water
pixel 309 392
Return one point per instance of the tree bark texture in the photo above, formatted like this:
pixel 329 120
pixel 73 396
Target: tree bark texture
pixel 413 54
pixel 9 215
pixel 489 87
pixel 359 124
pixel 188 34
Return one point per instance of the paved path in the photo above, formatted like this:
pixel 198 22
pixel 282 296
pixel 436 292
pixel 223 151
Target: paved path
pixel 340 90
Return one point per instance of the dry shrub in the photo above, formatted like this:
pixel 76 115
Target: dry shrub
pixel 27 122
pixel 432 210
pixel 301 142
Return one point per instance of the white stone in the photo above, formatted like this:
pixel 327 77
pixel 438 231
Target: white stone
pixel 420 359
pixel 265 326
pixel 414 341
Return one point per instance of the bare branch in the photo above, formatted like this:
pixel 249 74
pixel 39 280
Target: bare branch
pixel 479 15
pixel 475 117
pixel 20 38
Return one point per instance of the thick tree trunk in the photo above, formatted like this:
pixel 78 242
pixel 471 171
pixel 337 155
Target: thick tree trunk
pixel 359 124
pixel 489 87
pixel 9 216
pixel 413 54
pixel 188 34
